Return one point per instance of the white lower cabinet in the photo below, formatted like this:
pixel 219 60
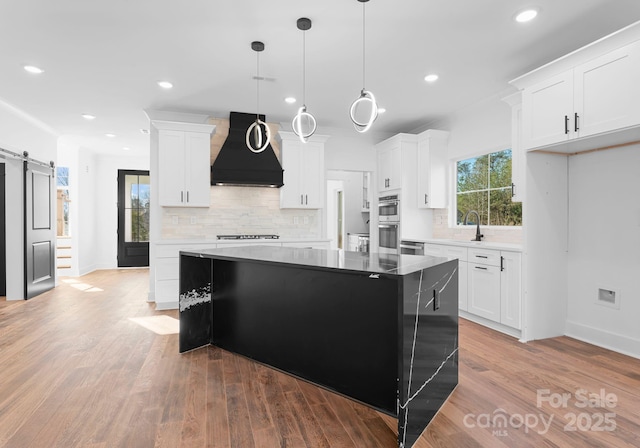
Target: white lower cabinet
pixel 489 281
pixel 453 252
pixel 511 289
pixel 484 291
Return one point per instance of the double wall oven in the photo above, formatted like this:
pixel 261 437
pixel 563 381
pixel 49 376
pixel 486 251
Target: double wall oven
pixel 389 224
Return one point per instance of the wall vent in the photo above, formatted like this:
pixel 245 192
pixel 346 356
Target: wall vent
pixel 608 297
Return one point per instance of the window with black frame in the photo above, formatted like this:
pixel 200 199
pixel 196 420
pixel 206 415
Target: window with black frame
pixel 484 185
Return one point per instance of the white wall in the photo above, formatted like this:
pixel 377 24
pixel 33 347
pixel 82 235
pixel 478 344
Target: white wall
pixel 477 129
pixel 355 221
pixel 106 213
pixel 604 247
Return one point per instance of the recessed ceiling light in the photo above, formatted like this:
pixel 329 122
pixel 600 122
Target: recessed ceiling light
pixel 33 69
pixel 110 135
pixel 289 100
pixel 144 131
pixel 126 148
pixel 88 117
pixel 381 110
pixel 431 77
pixel 526 15
pixel 165 84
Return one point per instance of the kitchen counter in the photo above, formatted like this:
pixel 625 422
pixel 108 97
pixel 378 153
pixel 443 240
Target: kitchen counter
pixel 350 322
pixel 369 263
pixel 479 244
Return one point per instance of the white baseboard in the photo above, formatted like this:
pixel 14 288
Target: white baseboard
pixel 490 324
pixel 605 339
pixel 161 306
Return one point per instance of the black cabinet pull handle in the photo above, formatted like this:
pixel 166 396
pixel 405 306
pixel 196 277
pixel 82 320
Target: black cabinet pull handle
pixel 306 200
pixel 182 196
pixel 566 124
pixel 436 300
pixel 187 196
pixel 575 118
pixel 480 267
pixel 481 256
pixel 513 189
pixel 501 263
pixel 425 199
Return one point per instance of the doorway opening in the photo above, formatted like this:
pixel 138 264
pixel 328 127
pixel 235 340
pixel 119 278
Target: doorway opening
pixel 133 218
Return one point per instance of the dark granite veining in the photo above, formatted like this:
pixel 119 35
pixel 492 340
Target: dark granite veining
pixel 380 329
pixel 373 263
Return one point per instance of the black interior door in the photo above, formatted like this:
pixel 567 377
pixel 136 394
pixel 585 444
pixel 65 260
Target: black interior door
pixel 3 234
pixel 133 218
pixel 39 257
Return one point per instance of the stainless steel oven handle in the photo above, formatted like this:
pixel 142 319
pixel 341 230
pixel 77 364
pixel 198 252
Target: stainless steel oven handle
pixel 387 226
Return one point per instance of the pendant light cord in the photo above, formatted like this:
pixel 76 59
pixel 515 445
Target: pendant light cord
pixel 258 85
pixel 304 69
pixel 363 46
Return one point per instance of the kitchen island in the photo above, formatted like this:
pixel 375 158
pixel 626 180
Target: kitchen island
pixel 380 329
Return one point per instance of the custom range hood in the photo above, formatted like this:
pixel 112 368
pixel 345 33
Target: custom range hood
pixel 237 165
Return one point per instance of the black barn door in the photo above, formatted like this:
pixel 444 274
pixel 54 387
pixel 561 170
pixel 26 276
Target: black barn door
pixel 133 218
pixel 39 233
pixel 3 234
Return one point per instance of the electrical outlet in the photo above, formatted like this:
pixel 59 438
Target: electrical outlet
pixel 194 220
pixel 306 220
pixel 296 221
pixel 174 220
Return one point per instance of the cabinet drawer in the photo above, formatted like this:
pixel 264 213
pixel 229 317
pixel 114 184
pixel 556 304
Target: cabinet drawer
pixel 458 252
pixel 484 256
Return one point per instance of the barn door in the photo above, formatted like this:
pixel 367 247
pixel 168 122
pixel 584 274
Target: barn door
pixel 39 256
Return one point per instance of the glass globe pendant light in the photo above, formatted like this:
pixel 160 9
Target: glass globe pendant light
pixel 366 98
pixel 304 124
pixel 260 141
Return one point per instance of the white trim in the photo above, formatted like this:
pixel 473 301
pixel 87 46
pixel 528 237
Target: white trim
pixel 171 305
pixel 605 339
pixel 509 331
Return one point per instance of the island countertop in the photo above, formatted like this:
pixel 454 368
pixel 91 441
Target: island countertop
pixel 371 263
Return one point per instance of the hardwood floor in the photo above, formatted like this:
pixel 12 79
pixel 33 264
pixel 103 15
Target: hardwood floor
pixel 75 371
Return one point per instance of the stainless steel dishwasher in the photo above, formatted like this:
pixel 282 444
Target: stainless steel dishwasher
pixel 411 247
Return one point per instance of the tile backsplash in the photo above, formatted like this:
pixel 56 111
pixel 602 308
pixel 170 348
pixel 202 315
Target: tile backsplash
pixel 240 210
pixel 442 230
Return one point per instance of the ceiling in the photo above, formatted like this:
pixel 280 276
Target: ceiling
pixel 105 57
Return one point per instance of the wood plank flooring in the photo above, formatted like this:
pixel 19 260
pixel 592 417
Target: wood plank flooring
pixel 76 372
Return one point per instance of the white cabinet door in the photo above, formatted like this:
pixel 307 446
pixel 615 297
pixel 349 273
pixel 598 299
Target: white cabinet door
pixel 172 165
pixel 432 165
pixel 547 111
pixel 313 174
pixel 511 289
pixel 484 291
pixel 518 155
pixel 384 170
pixel 607 92
pixel 197 169
pixel 303 178
pixel 184 167
pixel 463 285
pixel 291 195
pixel 395 172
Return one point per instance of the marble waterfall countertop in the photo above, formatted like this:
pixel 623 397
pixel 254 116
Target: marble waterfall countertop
pixel 372 263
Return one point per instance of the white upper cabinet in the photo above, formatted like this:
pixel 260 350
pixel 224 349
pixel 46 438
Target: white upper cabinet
pixel 546 111
pixel 390 166
pixel 432 169
pixel 184 165
pixel 518 154
pixel 585 100
pixel 303 165
pixel 607 92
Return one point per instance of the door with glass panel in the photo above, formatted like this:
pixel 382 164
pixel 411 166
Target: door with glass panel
pixel 133 218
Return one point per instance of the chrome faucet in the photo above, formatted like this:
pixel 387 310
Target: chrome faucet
pixel 478 234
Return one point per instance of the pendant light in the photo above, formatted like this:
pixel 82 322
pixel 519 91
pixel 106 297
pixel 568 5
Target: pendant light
pixel 259 140
pixel 366 97
pixel 303 117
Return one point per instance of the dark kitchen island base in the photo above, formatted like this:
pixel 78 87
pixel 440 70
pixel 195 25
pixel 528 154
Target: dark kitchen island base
pixel 383 331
